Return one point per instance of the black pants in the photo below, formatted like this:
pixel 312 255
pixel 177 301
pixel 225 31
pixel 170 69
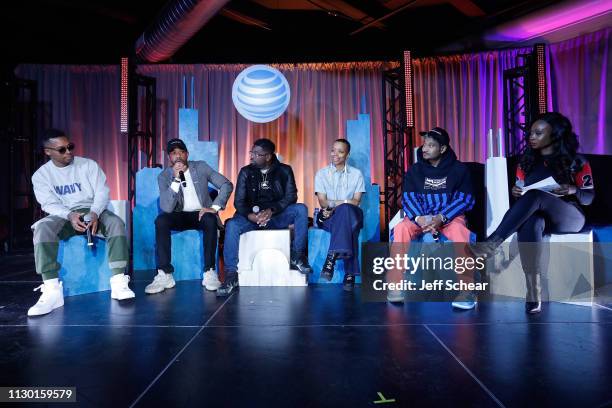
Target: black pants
pixel 180 221
pixel 533 215
pixel 538 212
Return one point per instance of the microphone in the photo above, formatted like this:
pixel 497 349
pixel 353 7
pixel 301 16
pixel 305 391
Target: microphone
pixel 87 220
pixel 256 210
pixel 436 234
pixel 182 177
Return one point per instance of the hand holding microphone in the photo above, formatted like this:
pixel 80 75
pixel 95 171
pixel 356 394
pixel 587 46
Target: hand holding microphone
pixel 255 216
pixel 262 217
pixel 87 220
pixel 179 168
pixel 431 225
pixel 182 177
pixel 77 222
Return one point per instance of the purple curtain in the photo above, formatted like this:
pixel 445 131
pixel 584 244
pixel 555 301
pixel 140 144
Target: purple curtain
pixel 580 87
pixel 464 95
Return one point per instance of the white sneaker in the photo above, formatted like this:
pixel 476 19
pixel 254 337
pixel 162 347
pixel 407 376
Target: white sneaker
pixel 211 280
pixel 161 282
pixel 51 298
pixel 395 296
pixel 464 305
pixel 119 287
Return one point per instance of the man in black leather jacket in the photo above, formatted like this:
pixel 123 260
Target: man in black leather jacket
pixel 265 198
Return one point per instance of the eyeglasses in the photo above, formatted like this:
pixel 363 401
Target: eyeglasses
pixel 252 153
pixel 61 150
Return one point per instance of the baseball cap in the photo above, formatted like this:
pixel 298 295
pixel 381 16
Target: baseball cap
pixel 174 144
pixel 438 134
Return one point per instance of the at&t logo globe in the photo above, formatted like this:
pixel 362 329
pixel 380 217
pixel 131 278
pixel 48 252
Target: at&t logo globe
pixel 261 93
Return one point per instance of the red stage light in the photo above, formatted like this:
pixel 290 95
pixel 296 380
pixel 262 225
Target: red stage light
pixel 124 94
pixel 408 89
pixel 540 52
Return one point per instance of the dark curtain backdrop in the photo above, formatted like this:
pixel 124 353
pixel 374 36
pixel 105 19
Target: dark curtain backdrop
pixel 83 100
pixel 463 93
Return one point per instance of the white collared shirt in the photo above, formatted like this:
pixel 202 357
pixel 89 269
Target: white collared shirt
pixel 339 185
pixel 191 202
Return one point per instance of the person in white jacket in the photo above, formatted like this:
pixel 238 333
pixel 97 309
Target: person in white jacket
pixel 72 189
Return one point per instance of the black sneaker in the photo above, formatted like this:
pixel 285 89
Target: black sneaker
pixel 348 284
pixel 328 267
pixel 228 286
pixel 300 264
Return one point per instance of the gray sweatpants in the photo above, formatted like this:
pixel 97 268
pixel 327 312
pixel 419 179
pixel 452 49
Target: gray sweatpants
pixel 51 229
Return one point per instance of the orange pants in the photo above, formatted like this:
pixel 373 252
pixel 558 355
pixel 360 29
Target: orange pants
pixel 407 231
pixel 455 230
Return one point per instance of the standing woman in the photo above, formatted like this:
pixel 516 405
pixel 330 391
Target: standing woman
pixel 339 188
pixel 550 152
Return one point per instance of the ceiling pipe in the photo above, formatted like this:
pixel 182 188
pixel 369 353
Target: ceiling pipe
pixel 176 24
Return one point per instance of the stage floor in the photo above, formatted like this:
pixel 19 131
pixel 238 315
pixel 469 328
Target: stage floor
pixel 300 347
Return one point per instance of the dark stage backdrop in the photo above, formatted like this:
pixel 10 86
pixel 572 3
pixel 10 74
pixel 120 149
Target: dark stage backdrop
pixel 462 93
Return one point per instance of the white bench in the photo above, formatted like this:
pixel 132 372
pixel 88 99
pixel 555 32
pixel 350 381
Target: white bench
pixel 263 259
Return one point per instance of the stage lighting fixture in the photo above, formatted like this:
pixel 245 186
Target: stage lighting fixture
pixel 408 89
pixel 540 54
pixel 124 95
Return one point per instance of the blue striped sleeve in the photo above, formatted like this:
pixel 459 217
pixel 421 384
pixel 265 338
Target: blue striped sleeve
pixel 460 203
pixel 437 204
pixel 411 205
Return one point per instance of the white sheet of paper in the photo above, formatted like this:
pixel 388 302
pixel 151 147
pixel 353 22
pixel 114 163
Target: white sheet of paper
pixel 547 185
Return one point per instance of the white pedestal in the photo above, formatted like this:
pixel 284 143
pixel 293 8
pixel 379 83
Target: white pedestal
pixel 263 260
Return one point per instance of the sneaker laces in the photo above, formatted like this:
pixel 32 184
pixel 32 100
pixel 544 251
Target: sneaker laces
pixel 211 277
pixel 330 261
pixel 158 278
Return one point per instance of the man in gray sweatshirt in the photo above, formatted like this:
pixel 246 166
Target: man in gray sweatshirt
pixel 73 190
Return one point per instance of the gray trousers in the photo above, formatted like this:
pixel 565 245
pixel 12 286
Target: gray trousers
pixel 51 229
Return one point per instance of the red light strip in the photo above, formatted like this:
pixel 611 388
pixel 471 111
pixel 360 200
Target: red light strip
pixel 124 94
pixel 541 73
pixel 408 89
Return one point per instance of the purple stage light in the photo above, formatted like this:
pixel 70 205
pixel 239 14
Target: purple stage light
pixel 549 20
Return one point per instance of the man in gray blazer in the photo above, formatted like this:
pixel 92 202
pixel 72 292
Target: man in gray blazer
pixel 186 204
